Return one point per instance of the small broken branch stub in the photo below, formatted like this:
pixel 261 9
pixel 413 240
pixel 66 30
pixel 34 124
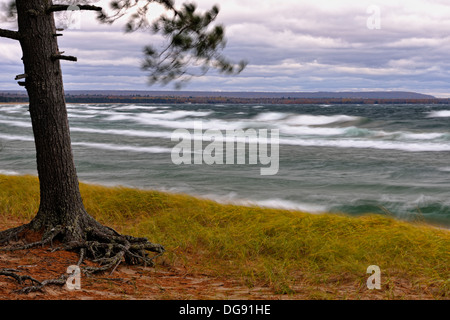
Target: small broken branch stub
pixel 20 76
pixel 61 57
pixel 65 7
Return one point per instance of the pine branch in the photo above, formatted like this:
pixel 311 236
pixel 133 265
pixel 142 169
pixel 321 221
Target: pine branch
pixel 9 34
pixel 64 7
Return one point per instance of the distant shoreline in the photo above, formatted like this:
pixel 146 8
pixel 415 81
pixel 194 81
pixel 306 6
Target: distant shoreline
pixel 221 100
pixel 204 97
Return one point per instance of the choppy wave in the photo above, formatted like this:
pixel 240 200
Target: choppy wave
pixel 439 114
pixel 343 137
pixel 123 132
pixel 270 116
pixel 419 134
pixel 13 109
pixel 276 203
pixel 422 208
pixel 85 111
pixel 314 120
pixel 370 144
pixel 116 147
pixel 16 123
pixel 14 137
pixel 9 172
pixel 135 107
pixel 305 119
pixel 94 145
pixel 285 204
pixel 150 118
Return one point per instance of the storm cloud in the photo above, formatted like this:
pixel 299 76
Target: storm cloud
pixel 291 45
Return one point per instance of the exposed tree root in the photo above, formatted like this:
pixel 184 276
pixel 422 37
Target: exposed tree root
pixel 36 284
pixel 99 244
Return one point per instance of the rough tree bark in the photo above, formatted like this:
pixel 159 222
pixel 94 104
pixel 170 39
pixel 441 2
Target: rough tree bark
pixel 60 199
pixel 61 212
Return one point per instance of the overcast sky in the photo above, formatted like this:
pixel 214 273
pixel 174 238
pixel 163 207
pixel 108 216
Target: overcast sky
pixel 291 45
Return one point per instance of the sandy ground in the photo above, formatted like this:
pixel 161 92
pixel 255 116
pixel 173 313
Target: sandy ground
pixel 135 282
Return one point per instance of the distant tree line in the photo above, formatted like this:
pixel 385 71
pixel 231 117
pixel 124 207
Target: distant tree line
pixel 18 98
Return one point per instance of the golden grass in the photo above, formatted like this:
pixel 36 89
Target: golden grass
pixel 281 248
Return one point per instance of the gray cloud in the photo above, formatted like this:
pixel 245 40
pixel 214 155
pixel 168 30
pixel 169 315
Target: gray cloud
pixel 292 45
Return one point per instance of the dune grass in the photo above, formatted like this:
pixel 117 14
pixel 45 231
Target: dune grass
pixel 287 250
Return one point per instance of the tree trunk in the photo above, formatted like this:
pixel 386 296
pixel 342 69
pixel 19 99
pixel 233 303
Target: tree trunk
pixel 60 199
pixel 61 211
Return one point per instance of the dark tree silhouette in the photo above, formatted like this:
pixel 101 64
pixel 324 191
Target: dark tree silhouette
pixel 193 46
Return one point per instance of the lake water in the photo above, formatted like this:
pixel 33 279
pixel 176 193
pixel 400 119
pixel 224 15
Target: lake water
pixel 340 158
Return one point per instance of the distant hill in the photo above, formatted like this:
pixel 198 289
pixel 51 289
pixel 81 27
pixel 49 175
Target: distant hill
pixel 256 95
pixel 132 96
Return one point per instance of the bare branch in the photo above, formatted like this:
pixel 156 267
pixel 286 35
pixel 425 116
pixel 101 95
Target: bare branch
pixel 64 7
pixel 10 34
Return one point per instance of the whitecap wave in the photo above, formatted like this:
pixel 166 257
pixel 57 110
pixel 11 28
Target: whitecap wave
pixel 11 137
pixel 174 115
pixel 16 123
pixel 285 204
pixel 14 109
pixel 9 173
pixel 124 132
pixel 439 114
pixel 134 107
pixel 313 120
pixel 165 119
pixel 311 131
pixel 116 147
pixel 270 116
pixel 81 116
pixel 369 144
pixel 85 111
pixel 424 136
pixel 275 203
